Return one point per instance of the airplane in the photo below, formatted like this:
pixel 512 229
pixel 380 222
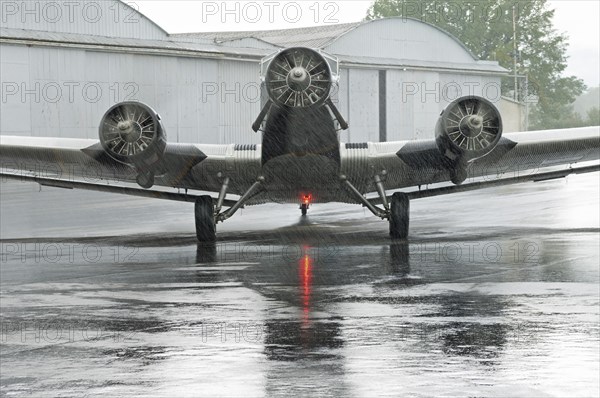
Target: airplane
pixel 301 159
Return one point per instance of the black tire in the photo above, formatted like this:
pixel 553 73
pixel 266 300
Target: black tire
pixel 304 209
pixel 399 215
pixel 206 230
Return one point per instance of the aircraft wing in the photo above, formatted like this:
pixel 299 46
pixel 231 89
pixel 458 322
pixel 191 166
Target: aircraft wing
pixel 420 163
pixel 83 164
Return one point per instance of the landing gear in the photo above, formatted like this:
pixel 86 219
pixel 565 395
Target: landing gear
pixel 207 215
pixel 206 230
pixel 399 216
pixel 305 205
pixel 304 209
pixel 397 211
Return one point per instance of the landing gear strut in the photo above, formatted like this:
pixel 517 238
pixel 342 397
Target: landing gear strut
pixel 304 208
pixel 207 215
pixel 396 211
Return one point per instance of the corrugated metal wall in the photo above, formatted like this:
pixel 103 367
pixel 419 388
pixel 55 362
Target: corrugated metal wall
pixel 414 100
pixel 239 101
pixel 363 105
pixel 64 93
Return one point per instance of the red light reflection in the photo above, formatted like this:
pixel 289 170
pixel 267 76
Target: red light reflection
pixel 306 275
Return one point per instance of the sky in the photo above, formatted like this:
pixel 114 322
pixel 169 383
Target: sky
pixel 579 19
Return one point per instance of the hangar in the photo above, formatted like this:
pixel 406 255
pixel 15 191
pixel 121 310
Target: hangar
pixel 59 75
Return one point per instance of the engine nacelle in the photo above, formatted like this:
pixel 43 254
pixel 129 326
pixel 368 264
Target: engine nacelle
pixel 132 133
pixel 468 129
pixel 299 77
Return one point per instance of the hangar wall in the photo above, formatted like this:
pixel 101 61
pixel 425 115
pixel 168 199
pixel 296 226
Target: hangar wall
pixel 414 100
pixel 65 92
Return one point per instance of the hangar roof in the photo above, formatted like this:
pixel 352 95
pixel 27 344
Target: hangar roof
pixel 94 18
pixel 406 41
pixel 129 45
pixel 315 37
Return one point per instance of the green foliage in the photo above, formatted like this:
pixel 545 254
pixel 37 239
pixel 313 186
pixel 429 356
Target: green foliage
pixel 593 117
pixel 486 28
pixel 574 119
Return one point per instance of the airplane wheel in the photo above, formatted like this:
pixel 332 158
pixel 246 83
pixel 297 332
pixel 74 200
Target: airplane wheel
pixel 399 215
pixel 206 230
pixel 304 209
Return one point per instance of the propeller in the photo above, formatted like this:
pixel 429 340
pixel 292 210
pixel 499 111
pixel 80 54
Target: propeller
pixel 128 129
pixel 299 77
pixel 472 124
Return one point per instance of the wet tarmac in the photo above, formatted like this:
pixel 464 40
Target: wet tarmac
pixel 496 294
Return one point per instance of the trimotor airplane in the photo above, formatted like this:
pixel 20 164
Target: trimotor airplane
pixel 301 159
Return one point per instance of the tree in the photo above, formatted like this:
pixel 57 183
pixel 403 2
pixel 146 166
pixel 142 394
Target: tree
pixel 486 28
pixel 593 117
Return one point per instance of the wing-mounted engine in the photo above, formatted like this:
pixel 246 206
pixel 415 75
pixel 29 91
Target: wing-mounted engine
pixel 468 129
pixel 299 78
pixel 132 133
